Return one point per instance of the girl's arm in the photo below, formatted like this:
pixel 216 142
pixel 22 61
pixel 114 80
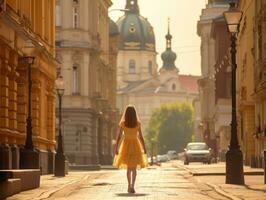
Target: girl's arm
pixel 142 140
pixel 118 138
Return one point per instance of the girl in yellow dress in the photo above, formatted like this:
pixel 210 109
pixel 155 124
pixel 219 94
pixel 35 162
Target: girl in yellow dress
pixel 130 150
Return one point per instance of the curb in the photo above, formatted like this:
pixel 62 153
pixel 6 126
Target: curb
pixel 257 173
pixel 222 192
pixel 108 167
pixel 85 167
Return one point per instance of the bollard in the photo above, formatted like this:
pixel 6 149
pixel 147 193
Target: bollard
pixel 264 166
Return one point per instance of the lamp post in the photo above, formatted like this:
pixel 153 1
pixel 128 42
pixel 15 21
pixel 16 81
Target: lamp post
pixel 29 157
pixel 59 156
pixel 234 156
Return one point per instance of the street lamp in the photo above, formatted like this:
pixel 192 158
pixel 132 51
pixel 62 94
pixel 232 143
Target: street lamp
pixel 234 156
pixel 29 157
pixel 59 156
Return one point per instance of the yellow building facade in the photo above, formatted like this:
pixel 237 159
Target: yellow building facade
pixel 259 51
pixel 245 81
pixel 250 81
pixel 27 29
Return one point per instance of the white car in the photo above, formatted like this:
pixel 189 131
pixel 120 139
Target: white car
pixel 197 152
pixel 162 158
pixel 172 155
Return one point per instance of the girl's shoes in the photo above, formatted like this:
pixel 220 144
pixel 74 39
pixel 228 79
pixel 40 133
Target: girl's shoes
pixel 133 190
pixel 129 189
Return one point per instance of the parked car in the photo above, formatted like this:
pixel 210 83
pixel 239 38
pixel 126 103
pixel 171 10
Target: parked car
pixel 154 160
pixel 172 155
pixel 162 158
pixel 197 152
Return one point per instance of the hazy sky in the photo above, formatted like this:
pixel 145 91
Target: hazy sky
pixel 184 16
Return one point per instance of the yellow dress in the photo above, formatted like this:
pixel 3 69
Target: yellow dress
pixel 130 153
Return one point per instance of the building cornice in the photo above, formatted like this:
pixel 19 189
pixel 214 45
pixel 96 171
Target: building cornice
pixel 24 30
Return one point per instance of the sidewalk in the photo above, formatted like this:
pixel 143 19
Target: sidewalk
pixel 217 169
pixel 214 176
pixel 155 183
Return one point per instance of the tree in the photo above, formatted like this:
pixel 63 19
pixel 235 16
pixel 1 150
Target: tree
pixel 170 127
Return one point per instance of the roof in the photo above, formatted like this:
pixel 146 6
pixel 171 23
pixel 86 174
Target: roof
pixel 189 83
pixel 131 86
pixel 136 32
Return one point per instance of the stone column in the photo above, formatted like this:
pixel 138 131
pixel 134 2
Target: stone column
pixel 5 156
pixel 13 92
pixel 5 69
pixel 94 136
pixel 21 98
pixel 36 107
pixel 4 87
pixel 50 126
pixel 50 113
pixel 109 143
pixel 100 139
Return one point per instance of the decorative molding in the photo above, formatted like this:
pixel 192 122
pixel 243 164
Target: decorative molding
pixel 2 6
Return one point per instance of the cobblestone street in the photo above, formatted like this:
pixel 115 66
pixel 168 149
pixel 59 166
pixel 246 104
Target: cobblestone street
pixel 156 183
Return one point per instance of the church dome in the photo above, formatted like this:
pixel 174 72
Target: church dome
pixel 168 57
pixel 136 32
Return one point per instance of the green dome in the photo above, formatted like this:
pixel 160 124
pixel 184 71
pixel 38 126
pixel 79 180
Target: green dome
pixel 168 56
pixel 136 32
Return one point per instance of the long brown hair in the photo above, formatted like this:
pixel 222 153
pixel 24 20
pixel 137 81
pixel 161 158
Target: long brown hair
pixel 131 119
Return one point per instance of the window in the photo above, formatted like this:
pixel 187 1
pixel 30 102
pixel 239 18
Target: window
pixel 75 80
pixel 132 66
pixel 75 17
pixel 150 67
pixel 57 15
pixel 173 87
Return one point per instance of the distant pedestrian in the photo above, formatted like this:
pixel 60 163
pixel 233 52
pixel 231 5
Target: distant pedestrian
pixel 130 147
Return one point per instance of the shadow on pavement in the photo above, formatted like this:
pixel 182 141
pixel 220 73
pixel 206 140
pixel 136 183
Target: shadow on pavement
pixel 131 194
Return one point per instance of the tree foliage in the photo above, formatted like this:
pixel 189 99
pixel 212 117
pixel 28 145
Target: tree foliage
pixel 170 127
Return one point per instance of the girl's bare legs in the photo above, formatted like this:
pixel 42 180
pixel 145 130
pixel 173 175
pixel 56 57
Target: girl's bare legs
pixel 129 179
pixel 134 175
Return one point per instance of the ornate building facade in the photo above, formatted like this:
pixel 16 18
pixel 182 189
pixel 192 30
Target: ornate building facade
pixel 214 9
pixel 260 77
pixel 27 29
pixel 139 82
pixel 222 68
pixel 251 78
pixel 88 56
pixel 245 81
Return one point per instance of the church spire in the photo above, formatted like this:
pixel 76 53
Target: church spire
pixel 132 6
pixel 168 56
pixel 168 37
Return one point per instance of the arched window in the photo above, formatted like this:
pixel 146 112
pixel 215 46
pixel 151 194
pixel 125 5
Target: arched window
pixel 75 17
pixel 173 87
pixel 75 79
pixel 150 66
pixel 132 66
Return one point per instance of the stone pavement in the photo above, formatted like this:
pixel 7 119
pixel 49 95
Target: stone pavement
pixel 155 183
pixel 211 175
pixel 171 181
